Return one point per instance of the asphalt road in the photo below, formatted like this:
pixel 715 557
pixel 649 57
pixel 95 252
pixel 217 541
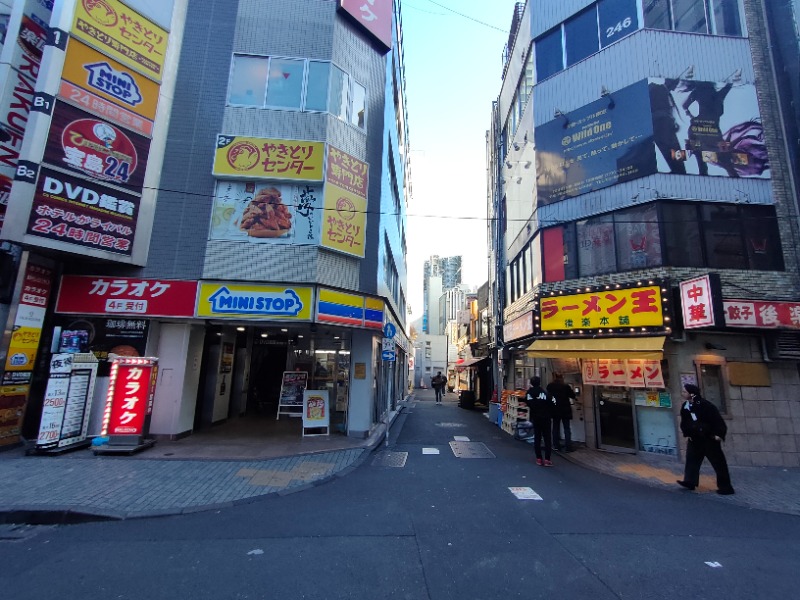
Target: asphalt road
pixel 439 527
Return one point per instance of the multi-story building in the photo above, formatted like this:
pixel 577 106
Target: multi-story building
pixel 448 269
pixel 221 185
pixel 645 225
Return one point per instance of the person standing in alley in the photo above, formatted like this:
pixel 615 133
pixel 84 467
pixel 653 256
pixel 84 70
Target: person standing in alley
pixel 540 410
pixel 437 383
pixel 705 428
pixel 562 411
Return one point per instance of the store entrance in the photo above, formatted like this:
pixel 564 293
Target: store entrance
pixel 615 419
pixel 267 364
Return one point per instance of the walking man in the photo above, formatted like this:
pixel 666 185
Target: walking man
pixel 540 409
pixel 562 412
pixel 437 383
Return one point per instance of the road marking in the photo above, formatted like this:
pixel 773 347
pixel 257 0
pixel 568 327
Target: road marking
pixel 525 493
pixel 430 451
pixel 460 438
pixel 255 552
pixel 714 565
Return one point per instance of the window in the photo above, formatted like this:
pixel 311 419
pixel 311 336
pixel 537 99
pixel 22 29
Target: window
pixel 762 238
pixel 713 385
pixel 549 54
pixel 682 235
pixel 317 86
pixel 358 105
pixel 724 243
pixel 618 18
pixel 524 269
pixel 657 14
pixel 724 16
pixel 637 237
pixel 339 93
pixel 248 80
pixel 596 248
pixel 285 83
pixel 689 15
pixel 580 34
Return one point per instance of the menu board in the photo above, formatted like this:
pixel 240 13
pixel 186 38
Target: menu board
pixel 293 384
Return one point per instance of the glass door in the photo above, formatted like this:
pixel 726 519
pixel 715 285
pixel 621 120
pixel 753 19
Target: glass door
pixel 615 419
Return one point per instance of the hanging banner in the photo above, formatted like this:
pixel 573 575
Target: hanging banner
pixel 277 213
pixel 264 158
pixel 123 34
pixel 632 373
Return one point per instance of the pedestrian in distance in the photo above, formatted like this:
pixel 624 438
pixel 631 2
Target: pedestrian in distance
pixel 437 383
pixel 540 411
pixel 705 428
pixel 562 411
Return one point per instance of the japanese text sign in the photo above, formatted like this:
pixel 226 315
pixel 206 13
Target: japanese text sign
pixel 268 158
pixel 344 224
pixel 93 148
pixel 108 88
pixel 697 302
pixel 520 327
pixel 83 213
pixel 347 172
pixel 631 373
pixel 616 308
pixel 89 295
pixel 122 34
pixel 373 15
pixel 253 301
pixel 762 315
pixel 130 396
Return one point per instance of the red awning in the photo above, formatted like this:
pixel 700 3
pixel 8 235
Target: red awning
pixel 469 362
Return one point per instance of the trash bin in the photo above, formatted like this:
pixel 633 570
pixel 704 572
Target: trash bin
pixel 467 399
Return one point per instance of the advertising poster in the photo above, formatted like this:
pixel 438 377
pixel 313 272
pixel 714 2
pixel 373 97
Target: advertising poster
pixel 681 127
pixel 12 409
pixel 83 213
pixel 122 34
pixel 267 213
pixel 344 224
pixel 93 148
pixel 315 409
pixel 90 295
pixel 262 158
pixel 102 337
pixel 55 400
pixel 293 385
pixel 108 89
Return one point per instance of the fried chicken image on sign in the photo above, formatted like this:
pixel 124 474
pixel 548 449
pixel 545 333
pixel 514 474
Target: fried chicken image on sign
pixel 266 216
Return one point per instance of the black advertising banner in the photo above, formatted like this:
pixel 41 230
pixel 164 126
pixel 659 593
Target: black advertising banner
pixel 601 144
pixel 83 213
pixel 680 127
pixel 95 148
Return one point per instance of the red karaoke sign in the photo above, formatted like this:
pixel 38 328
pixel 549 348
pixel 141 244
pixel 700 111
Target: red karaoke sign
pixel 130 396
pixel 87 295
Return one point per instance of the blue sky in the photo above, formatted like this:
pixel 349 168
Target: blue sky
pixel 453 73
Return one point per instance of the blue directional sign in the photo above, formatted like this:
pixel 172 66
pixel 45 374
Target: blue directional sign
pixel 388 355
pixel 389 330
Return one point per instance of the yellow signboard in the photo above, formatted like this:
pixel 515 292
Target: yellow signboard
pixel 99 75
pixel 344 222
pixel 262 158
pixel 262 302
pixel 22 349
pixel 123 34
pixel 607 309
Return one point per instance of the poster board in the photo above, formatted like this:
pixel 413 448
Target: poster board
pixel 290 402
pixel 316 415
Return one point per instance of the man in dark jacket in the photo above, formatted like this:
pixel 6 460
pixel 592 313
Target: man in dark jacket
pixel 706 430
pixel 540 410
pixel 562 413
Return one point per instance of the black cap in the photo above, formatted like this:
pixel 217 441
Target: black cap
pixel 692 389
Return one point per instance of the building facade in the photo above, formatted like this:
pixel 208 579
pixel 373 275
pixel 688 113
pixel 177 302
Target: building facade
pixel 259 230
pixel 448 269
pixel 645 226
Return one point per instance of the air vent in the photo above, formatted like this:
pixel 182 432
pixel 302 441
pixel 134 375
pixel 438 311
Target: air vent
pixel 785 346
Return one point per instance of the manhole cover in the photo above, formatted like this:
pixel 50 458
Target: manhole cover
pixel 390 459
pixel 451 425
pixel 471 450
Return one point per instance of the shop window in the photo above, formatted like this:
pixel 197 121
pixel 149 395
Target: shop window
pixel 725 17
pixel 722 233
pixel 317 86
pixel 617 18
pixel 285 83
pixel 596 247
pixel 580 35
pixel 682 235
pixel 339 93
pixel 549 54
pixel 248 80
pixel 689 15
pixel 638 238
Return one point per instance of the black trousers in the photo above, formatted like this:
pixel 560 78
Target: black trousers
pixel 699 449
pixel 557 421
pixel 541 429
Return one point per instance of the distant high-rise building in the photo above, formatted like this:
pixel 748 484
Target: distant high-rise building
pixel 449 269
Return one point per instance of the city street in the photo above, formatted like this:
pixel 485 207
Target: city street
pixel 415 521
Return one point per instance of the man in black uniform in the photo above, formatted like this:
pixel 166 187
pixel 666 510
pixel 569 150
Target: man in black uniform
pixel 540 410
pixel 562 412
pixel 705 428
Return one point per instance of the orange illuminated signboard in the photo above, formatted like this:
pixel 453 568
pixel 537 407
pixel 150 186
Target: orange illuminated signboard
pixel 611 310
pixel 263 158
pixel 122 34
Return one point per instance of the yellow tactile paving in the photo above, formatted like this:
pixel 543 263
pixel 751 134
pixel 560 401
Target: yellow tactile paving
pixel 308 471
pixel 707 483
